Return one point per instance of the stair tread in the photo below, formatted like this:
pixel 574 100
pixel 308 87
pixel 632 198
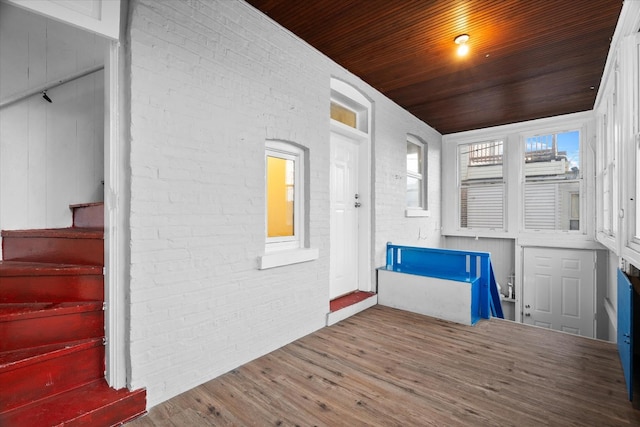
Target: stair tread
pixel 75 404
pixel 30 310
pixel 86 205
pixel 27 356
pixel 64 233
pixel 26 268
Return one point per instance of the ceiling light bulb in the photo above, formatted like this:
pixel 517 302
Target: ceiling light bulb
pixel 462 40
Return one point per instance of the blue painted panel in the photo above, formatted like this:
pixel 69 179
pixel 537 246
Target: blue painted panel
pixel 475 302
pixel 496 302
pixel 625 329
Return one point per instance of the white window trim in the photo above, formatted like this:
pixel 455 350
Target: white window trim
pixel 281 258
pixel 423 210
pixel 288 152
pixel 280 251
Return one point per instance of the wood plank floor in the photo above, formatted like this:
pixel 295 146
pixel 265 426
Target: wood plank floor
pixel 385 367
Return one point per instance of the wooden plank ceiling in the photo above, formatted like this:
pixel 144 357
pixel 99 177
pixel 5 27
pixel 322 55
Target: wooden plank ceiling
pixel 527 59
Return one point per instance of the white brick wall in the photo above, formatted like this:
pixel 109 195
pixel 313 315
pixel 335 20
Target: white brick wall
pixel 210 82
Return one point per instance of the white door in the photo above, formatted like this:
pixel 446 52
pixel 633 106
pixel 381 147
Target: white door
pixel 558 289
pixel 344 215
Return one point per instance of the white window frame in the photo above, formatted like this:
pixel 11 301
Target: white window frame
pixel 422 210
pixel 579 179
pixel 498 181
pixel 608 168
pixel 286 151
pixel 629 162
pixel 280 251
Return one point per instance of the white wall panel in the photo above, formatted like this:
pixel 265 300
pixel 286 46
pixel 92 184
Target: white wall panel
pixel 99 16
pixel 51 154
pixel 502 254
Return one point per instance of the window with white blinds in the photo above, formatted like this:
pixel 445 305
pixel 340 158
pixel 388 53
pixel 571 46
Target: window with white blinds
pixel 481 185
pixel 552 182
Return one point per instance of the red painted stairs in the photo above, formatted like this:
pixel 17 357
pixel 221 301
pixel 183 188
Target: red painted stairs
pixel 52 356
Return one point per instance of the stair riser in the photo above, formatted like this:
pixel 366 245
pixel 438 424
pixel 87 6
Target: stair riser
pixel 18 334
pixel 23 385
pixel 51 288
pixel 90 216
pixel 114 414
pixel 54 250
pixel 93 404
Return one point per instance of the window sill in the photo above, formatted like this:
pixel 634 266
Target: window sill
pixel 294 256
pixel 411 213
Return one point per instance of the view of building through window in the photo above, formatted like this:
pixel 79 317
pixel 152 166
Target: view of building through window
pixel 481 185
pixel 552 182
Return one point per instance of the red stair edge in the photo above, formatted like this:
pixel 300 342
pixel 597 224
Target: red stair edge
pixel 86 205
pixel 27 268
pixel 348 300
pixel 63 233
pixel 93 403
pixel 16 359
pixel 21 311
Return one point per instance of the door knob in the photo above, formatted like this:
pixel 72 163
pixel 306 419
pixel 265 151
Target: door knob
pixel 527 315
pixel 357 204
pixel 527 306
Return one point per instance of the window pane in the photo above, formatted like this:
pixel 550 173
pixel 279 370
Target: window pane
pixel 554 156
pixel 280 196
pixel 552 188
pixel 343 115
pixel 414 195
pixel 481 185
pixel 575 206
pixel 574 221
pixel 414 158
pixel 482 206
pixel 483 154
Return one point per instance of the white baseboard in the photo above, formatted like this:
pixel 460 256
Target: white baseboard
pixel 336 316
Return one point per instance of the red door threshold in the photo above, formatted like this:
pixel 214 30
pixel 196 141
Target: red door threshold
pixel 349 299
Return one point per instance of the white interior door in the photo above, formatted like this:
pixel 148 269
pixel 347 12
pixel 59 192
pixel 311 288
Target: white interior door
pixel 558 289
pixel 344 215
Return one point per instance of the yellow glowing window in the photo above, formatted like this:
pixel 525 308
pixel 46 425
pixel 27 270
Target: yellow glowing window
pixel 280 197
pixel 343 115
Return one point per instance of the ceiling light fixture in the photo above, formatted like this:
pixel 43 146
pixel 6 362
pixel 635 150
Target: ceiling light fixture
pixel 461 41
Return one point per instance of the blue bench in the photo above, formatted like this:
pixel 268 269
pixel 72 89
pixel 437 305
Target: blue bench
pixel 449 284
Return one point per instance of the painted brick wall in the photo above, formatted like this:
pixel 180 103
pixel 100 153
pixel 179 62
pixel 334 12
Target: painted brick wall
pixel 210 82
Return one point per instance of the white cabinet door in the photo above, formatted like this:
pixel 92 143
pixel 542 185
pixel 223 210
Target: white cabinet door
pixel 558 289
pixel 98 16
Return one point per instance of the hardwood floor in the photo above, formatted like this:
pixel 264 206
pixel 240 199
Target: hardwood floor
pixel 385 367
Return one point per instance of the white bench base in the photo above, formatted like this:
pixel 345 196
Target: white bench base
pixel 440 298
